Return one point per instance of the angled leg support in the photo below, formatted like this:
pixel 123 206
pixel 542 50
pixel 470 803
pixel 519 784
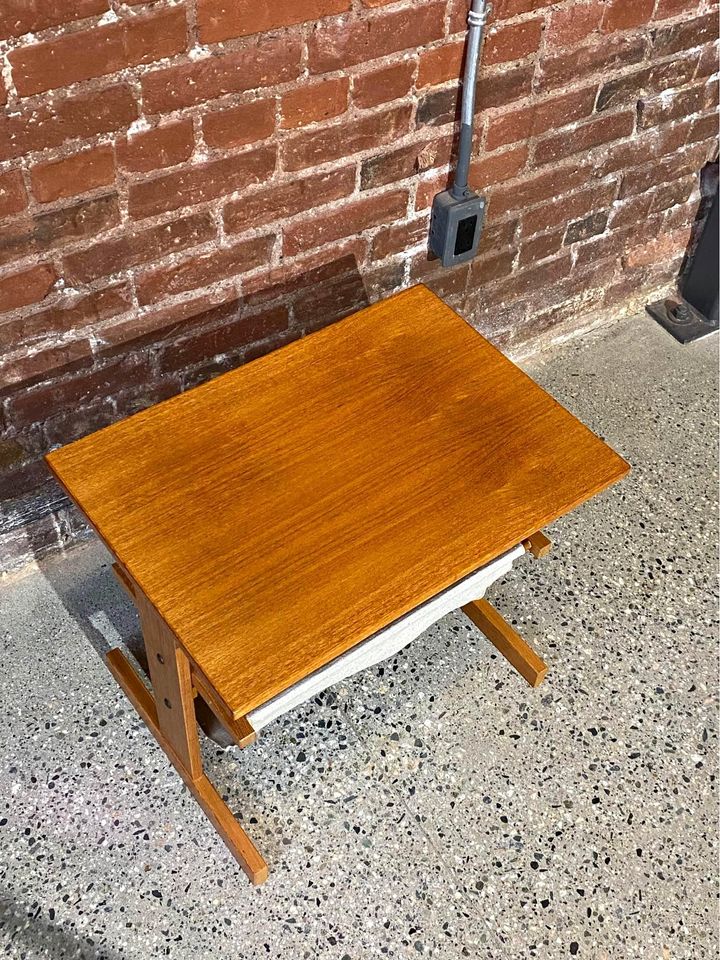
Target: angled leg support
pixel 510 644
pixel 169 714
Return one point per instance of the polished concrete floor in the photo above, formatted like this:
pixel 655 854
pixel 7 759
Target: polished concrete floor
pixel 435 805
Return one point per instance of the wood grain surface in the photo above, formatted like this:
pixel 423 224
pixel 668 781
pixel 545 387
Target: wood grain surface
pixel 289 509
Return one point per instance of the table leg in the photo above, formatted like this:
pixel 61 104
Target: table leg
pixel 510 644
pixel 169 714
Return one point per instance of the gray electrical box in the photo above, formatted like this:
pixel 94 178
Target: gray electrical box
pixel 456 226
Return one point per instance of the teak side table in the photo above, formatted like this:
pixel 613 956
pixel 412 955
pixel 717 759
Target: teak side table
pixel 304 508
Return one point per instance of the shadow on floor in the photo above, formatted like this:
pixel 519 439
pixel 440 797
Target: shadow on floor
pixel 25 929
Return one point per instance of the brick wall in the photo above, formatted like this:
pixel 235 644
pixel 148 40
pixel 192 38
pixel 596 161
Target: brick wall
pixel 186 185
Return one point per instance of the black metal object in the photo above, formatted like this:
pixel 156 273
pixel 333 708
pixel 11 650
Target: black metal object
pixel 694 312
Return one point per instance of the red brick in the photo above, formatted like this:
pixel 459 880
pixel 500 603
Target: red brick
pixel 673 8
pixel 399 237
pixel 96 52
pixel 43 364
pixel 498 167
pixel 494 168
pixel 513 42
pixel 541 247
pixel 72 175
pixel 30 286
pixel 383 85
pixel 231 336
pixel 657 250
pixel 201 271
pixel 68 315
pixel 350 219
pixel 157 148
pixel 53 122
pixel 31 406
pixel 405 162
pixel 314 102
pixel 672 106
pixel 590 226
pixel 630 87
pixel 440 64
pixel 568 208
pixel 135 247
pixel 603 129
pixel 48 231
pixel 500 87
pixel 284 200
pixel 201 182
pixel 334 46
pixel 313 147
pixel 13 196
pixel 257 64
pixel 571 25
pixel 621 15
pixel 240 125
pixel 223 19
pixel 662 170
pixel 568 66
pixel 18 17
pixel 538 118
pixel 546 185
pixel 685 35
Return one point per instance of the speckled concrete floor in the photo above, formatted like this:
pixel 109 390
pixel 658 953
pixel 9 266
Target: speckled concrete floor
pixel 435 805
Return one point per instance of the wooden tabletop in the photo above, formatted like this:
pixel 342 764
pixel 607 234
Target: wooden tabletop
pixel 289 509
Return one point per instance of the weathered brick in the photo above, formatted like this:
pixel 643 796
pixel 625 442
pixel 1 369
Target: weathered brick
pixel 404 162
pixel 543 186
pixel 439 64
pixel 339 44
pixel 632 86
pixel 196 184
pixel 603 129
pixel 589 226
pixel 222 19
pixel 399 237
pixel 349 220
pixel 381 86
pixel 154 149
pixel 513 41
pixel 673 106
pixel 18 17
pixel 621 15
pixel 240 125
pixel 666 9
pixel 96 52
pixel 244 329
pixel 79 173
pixel 53 230
pixel 199 271
pixel 71 313
pixel 287 199
pixel 29 286
pixel 13 196
pixel 540 248
pixel 41 402
pixel 573 24
pixel 256 64
pixel 568 208
pixel 313 147
pixel 498 167
pixel 106 258
pixel 540 117
pixel 43 364
pixel 53 122
pixel 315 102
pixel 685 35
pixel 566 66
pixel 660 171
